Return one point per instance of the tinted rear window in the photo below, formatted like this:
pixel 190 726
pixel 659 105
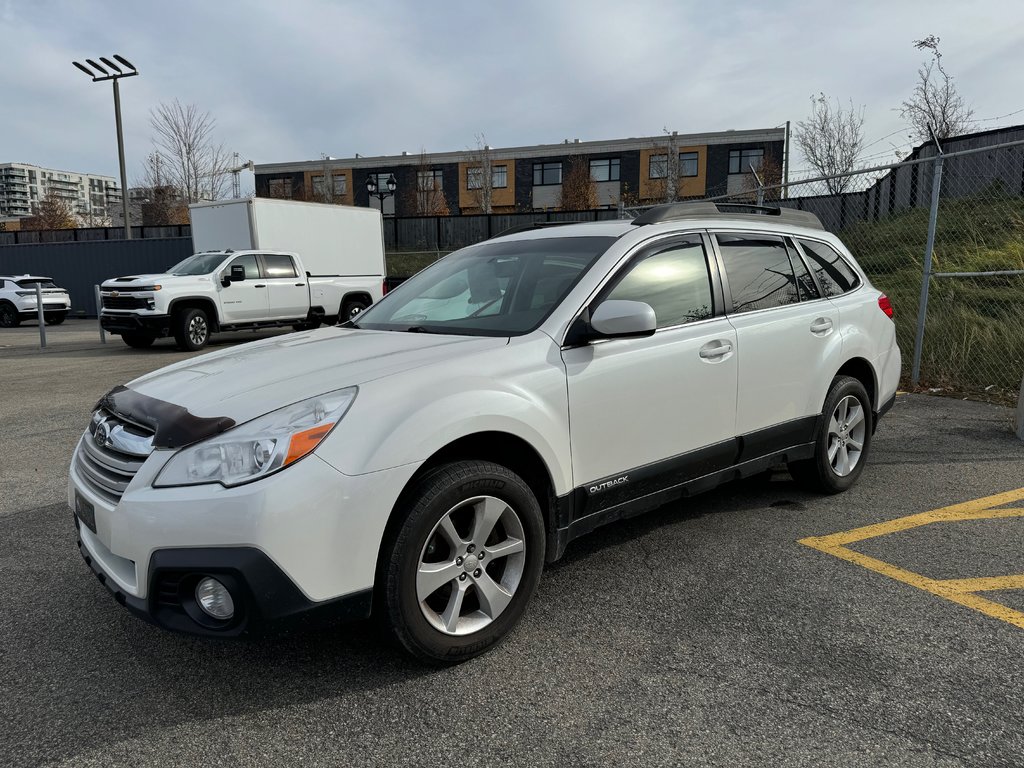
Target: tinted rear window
pixel 834 274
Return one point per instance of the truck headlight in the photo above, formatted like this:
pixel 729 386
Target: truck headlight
pixel 260 447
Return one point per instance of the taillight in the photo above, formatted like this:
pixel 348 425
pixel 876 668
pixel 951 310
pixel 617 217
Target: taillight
pixel 384 289
pixel 885 305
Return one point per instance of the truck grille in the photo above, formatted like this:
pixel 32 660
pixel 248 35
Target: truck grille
pixel 110 454
pixel 123 302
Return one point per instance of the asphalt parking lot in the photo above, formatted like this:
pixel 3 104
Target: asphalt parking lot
pixel 753 625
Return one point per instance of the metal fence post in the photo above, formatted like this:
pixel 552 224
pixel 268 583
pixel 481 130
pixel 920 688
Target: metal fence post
pixel 926 276
pixel 99 311
pixel 39 312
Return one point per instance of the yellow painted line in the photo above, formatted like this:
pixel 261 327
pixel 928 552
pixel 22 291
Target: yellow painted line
pixel 960 591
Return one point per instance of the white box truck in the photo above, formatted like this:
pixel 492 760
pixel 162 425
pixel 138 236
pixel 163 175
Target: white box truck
pixel 258 263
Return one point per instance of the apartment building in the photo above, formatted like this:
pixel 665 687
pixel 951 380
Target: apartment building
pixel 634 170
pixel 90 197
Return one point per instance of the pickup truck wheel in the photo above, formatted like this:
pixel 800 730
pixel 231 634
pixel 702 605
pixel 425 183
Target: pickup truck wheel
pixel 137 340
pixel 192 329
pixel 466 559
pixel 350 309
pixel 55 318
pixel 9 316
pixel 842 442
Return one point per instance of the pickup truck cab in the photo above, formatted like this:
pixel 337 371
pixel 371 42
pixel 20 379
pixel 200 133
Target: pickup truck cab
pixel 225 291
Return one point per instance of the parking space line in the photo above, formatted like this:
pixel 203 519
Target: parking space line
pixel 960 591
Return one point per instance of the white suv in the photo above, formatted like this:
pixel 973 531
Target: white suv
pixel 426 459
pixel 18 300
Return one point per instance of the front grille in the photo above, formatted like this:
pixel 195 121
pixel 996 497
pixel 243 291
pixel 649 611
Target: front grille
pixel 124 302
pixel 108 465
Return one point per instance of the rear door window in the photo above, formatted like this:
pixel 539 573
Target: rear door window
pixel 834 275
pixel 279 265
pixel 758 271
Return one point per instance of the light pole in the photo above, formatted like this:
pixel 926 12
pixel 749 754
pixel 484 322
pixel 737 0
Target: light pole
pixel 380 194
pixel 99 73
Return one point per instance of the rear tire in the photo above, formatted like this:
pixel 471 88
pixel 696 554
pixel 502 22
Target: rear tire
pixel 192 329
pixel 9 316
pixel 457 572
pixel 350 309
pixel 55 318
pixel 843 440
pixel 137 340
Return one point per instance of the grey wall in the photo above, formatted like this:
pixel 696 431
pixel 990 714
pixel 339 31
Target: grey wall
pixel 80 266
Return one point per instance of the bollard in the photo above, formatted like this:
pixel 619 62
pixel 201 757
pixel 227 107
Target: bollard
pixel 39 312
pixel 99 311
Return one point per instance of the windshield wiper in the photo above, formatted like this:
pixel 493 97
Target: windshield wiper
pixel 418 329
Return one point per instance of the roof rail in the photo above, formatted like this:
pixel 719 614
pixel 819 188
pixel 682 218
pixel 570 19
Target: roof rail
pixel 531 225
pixel 704 209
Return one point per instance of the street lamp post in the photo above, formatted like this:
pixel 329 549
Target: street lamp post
pixel 381 194
pixel 114 72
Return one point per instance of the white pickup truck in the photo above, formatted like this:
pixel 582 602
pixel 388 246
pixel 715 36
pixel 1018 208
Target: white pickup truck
pixel 259 263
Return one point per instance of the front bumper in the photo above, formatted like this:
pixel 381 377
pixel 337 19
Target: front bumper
pixel 263 595
pixel 29 311
pixel 152 325
pixel 303 541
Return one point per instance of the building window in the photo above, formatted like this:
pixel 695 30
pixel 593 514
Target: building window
pixel 545 174
pixel 428 181
pixel 658 166
pixel 605 170
pixel 740 160
pixel 688 164
pixel 340 185
pixel 318 186
pixel 339 188
pixel 281 188
pixel 475 177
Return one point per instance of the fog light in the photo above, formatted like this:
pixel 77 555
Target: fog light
pixel 214 598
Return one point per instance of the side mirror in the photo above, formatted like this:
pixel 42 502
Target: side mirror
pixel 237 273
pixel 619 319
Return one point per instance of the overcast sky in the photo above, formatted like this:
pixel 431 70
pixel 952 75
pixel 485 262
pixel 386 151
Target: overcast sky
pixel 289 80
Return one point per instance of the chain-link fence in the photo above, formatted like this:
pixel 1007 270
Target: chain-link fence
pixel 943 236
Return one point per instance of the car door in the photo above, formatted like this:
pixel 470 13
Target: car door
pixel 289 293
pixel 656 410
pixel 244 301
pixel 787 335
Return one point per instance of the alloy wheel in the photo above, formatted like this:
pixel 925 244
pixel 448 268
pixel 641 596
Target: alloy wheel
pixel 847 429
pixel 471 565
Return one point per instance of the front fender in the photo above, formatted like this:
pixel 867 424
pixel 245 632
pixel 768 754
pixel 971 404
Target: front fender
pixel 394 429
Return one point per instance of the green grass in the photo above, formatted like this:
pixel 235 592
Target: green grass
pixel 974 336
pixel 408 264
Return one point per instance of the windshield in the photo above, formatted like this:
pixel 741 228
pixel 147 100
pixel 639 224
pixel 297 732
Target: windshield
pixel 492 289
pixel 44 282
pixel 200 264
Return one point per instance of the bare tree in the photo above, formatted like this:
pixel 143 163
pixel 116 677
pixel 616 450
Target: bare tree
pixel 191 161
pixel 935 100
pixel 480 174
pixel 51 212
pixel 579 192
pixel 770 174
pixel 159 202
pixel 831 139
pixel 426 196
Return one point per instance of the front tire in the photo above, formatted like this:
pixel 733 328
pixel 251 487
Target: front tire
pixel 458 571
pixel 192 329
pixel 137 340
pixel 9 316
pixel 843 440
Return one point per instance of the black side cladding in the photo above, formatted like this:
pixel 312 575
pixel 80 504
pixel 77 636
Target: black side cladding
pixel 173 425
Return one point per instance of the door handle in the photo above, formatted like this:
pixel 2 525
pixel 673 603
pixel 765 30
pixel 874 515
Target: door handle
pixel 821 326
pixel 259 285
pixel 715 350
pixel 300 285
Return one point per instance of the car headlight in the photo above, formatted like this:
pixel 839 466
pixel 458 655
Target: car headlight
pixel 259 447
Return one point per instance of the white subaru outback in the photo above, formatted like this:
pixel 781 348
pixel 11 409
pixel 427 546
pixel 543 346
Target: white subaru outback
pixel 425 460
